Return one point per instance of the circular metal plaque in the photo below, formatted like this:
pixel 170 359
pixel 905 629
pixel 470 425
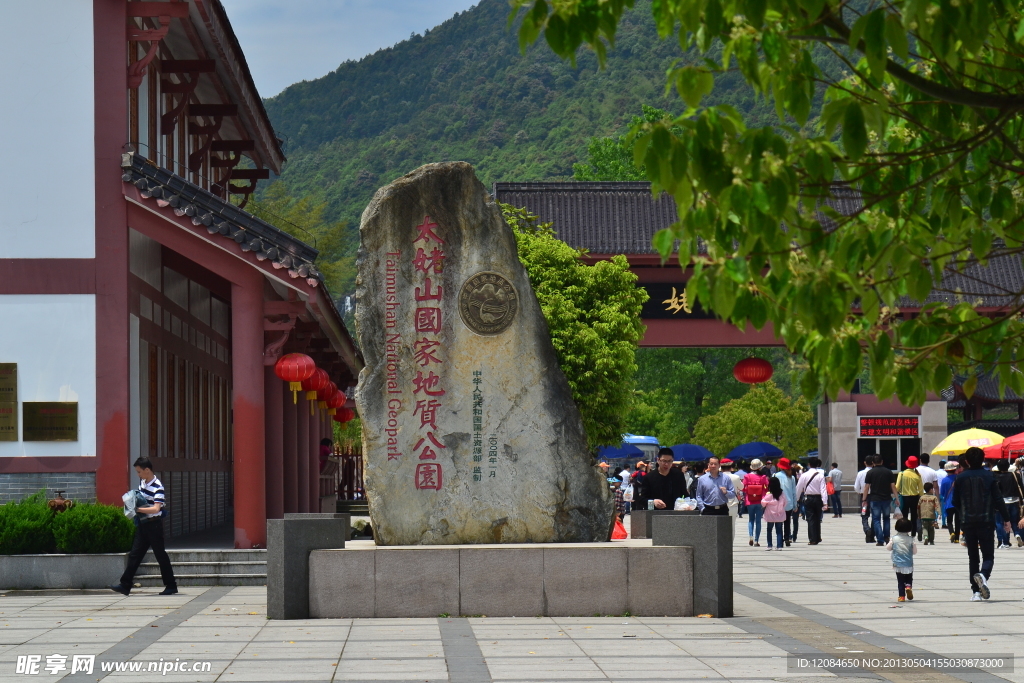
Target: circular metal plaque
pixel 488 303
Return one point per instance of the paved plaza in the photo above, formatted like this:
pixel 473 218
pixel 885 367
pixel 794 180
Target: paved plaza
pixel 835 598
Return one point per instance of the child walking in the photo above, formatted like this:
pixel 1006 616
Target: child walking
pixel 928 513
pixel 774 504
pixel 903 549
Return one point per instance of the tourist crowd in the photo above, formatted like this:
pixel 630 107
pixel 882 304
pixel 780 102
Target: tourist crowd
pixel 978 503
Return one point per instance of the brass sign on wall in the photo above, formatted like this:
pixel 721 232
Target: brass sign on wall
pixel 8 421
pixel 8 382
pixel 50 421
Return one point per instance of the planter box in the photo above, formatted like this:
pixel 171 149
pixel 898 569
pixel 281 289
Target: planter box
pixel 27 572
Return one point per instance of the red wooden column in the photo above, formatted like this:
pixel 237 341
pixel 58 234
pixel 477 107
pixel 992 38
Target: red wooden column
pixel 247 402
pixel 302 453
pixel 111 262
pixel 274 427
pixel 314 461
pixel 291 460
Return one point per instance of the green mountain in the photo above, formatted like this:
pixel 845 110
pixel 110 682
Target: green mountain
pixel 464 91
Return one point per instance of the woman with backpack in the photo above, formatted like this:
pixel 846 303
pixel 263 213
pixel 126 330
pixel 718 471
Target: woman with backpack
pixel 755 485
pixel 911 488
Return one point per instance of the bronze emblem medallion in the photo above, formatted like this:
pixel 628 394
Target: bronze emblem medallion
pixel 488 303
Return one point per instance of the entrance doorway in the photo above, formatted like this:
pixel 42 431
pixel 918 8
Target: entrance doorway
pixel 894 452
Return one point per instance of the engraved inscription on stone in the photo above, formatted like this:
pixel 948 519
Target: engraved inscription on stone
pixel 488 303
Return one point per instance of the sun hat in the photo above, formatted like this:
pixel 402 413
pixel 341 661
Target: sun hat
pixel 756 464
pixel 952 465
pixel 783 463
pixel 912 462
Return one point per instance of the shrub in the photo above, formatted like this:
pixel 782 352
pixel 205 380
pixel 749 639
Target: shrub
pixel 93 528
pixel 25 526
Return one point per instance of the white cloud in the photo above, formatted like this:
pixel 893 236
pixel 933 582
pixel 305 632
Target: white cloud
pixel 286 41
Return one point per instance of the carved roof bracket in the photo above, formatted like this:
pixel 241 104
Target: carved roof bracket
pixel 164 12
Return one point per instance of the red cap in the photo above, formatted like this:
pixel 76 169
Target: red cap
pixel 912 462
pixel 727 461
pixel 783 463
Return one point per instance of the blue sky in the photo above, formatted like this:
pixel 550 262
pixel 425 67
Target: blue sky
pixel 286 41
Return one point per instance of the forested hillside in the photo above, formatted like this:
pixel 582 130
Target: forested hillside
pixel 463 91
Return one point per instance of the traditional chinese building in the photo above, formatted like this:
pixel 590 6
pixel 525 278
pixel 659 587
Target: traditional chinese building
pixel 608 218
pixel 143 307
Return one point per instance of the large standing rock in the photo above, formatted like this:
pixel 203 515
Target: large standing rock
pixel 470 433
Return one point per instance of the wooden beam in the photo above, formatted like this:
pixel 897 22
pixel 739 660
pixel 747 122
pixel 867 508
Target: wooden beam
pixel 250 174
pixel 233 146
pixel 213 110
pixel 182 66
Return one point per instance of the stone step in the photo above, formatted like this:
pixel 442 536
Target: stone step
pixel 195 568
pixel 206 580
pixel 354 507
pixel 225 555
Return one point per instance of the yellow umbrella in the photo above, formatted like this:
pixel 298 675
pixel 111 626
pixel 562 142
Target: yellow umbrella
pixel 958 442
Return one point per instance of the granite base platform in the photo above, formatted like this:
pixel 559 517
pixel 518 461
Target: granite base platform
pixel 555 580
pixel 640 520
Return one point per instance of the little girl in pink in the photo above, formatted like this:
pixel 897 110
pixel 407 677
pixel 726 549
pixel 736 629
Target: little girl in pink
pixel 774 503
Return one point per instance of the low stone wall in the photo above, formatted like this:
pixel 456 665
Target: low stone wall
pixel 77 486
pixel 557 580
pixel 640 520
pixel 28 572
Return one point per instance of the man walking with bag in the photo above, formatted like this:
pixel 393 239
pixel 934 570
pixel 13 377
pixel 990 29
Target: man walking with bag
pixel 149 533
pixel 811 490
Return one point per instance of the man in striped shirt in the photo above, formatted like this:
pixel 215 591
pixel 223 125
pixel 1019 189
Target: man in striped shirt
pixel 149 532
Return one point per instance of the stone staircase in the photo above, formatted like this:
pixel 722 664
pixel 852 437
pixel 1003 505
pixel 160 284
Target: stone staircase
pixel 208 568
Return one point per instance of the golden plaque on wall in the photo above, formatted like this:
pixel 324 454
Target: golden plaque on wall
pixel 50 421
pixel 8 382
pixel 8 421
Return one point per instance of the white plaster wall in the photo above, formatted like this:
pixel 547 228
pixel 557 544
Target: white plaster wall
pixel 47 178
pixel 52 338
pixel 933 424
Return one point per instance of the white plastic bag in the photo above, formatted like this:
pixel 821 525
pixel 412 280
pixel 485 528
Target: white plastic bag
pixel 685 504
pixel 129 504
pixel 627 494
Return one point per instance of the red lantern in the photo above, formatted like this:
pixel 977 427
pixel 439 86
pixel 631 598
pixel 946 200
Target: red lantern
pixel 344 415
pixel 294 368
pixel 753 371
pixel 325 394
pixel 317 381
pixel 335 402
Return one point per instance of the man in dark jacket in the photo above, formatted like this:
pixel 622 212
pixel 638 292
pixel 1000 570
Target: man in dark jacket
pixel 665 484
pixel 977 499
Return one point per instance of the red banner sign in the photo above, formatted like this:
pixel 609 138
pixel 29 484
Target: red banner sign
pixel 889 427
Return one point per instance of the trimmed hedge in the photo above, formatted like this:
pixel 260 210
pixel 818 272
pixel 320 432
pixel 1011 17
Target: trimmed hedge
pixel 93 529
pixel 30 527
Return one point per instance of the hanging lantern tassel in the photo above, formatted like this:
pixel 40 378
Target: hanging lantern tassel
pixel 294 368
pixel 336 401
pixel 325 394
pixel 317 381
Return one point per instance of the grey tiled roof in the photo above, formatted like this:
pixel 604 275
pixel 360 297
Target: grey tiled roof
pixel 996 284
pixel 604 218
pixel 618 217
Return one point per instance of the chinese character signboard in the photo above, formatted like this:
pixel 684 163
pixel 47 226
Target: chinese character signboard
pixel 50 421
pixel 8 382
pixel 668 300
pixel 889 427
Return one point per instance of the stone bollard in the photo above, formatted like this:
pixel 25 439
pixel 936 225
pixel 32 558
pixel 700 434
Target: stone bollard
pixel 711 540
pixel 289 541
pixel 640 520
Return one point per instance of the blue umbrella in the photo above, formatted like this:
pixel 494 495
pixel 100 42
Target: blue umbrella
pixel 691 451
pixel 754 449
pixel 613 453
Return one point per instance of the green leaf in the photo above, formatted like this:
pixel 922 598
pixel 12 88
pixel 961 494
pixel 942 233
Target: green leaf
pixel 874 42
pixel 663 241
pixel 970 385
pixel 897 36
pixel 693 83
pixel 855 135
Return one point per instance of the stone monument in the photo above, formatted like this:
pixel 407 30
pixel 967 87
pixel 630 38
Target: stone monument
pixel 470 432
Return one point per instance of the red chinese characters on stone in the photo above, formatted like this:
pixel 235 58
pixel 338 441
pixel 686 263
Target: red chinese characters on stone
pixel 426 295
pixel 428 476
pixel 427 263
pixel 428 320
pixel 428 453
pixel 426 231
pixel 424 352
pixel 427 384
pixel 427 410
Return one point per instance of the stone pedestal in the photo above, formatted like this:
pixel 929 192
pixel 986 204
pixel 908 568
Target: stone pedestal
pixel 289 542
pixel 711 540
pixel 640 520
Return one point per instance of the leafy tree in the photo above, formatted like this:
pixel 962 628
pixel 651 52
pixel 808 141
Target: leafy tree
pixel 593 315
pixel 764 413
pixel 303 218
pixel 929 114
pixel 611 159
